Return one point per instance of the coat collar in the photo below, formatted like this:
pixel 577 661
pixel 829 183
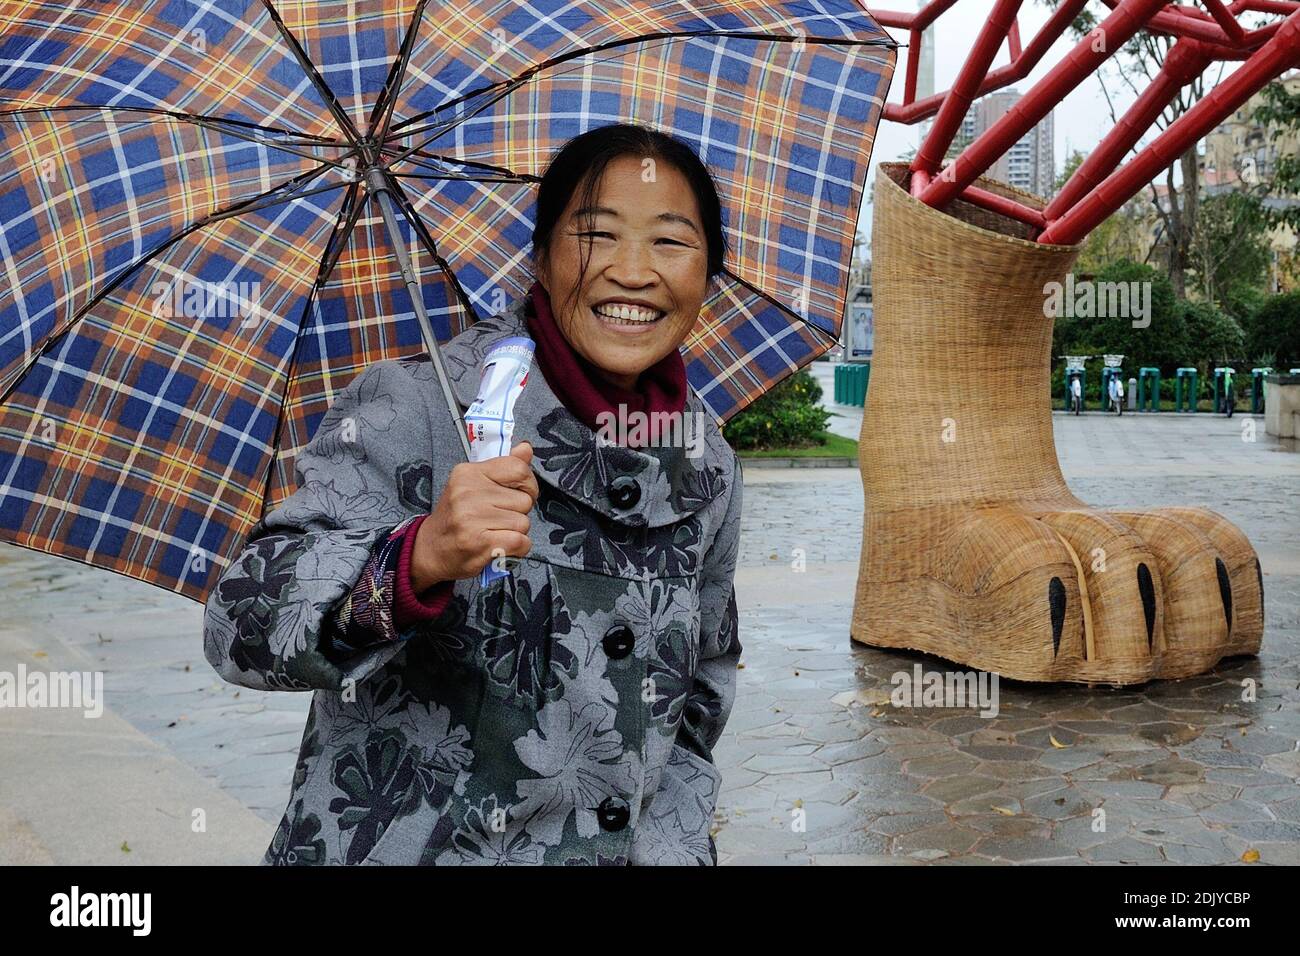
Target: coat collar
pixel 567 455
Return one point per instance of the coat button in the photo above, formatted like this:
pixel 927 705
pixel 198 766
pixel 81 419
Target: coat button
pixel 618 642
pixel 612 814
pixel 624 492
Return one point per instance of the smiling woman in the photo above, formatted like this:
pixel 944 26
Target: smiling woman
pixel 565 712
pixel 628 235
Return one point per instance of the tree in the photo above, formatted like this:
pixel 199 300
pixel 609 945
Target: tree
pixel 1281 112
pixel 1122 235
pixel 1212 336
pixel 1162 342
pixel 1275 329
pixel 1230 250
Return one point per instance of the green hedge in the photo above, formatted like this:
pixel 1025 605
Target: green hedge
pixel 788 416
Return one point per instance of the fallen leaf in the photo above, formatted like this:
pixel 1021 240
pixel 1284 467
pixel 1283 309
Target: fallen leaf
pixel 1250 856
pixel 1004 811
pixel 40 654
pixel 864 695
pixel 127 849
pixel 1057 744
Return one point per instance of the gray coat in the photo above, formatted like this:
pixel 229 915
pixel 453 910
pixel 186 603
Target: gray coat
pixel 564 714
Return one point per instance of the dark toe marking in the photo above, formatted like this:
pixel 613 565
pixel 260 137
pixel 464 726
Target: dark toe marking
pixel 1259 575
pixel 1147 591
pixel 1056 600
pixel 1225 590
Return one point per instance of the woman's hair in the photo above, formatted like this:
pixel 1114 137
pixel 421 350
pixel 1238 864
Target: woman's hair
pixel 581 163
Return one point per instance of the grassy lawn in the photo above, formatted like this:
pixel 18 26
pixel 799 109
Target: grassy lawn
pixel 836 446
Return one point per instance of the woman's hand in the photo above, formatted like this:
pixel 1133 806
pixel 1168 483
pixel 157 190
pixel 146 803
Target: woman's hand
pixel 482 514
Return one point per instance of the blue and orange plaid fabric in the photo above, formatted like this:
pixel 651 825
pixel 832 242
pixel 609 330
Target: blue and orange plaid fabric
pixel 192 272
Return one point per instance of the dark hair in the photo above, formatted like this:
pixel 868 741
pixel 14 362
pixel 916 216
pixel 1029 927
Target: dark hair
pixel 581 163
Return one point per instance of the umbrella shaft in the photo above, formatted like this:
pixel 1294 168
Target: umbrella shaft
pixel 378 188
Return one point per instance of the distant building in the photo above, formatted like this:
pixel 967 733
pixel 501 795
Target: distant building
pixel 925 72
pixel 1241 154
pixel 1030 163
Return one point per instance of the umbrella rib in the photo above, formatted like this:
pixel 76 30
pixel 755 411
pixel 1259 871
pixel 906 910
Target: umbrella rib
pixel 432 177
pixel 351 211
pixel 331 101
pixel 486 167
pixel 214 121
pixel 505 91
pixel 387 99
pixel 230 212
pixel 204 123
pixel 883 41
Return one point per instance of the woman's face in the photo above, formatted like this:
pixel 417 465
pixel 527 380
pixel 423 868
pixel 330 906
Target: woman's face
pixel 648 269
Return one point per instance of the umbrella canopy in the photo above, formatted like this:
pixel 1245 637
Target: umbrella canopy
pixel 207 210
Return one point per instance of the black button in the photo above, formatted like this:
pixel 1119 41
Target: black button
pixel 624 492
pixel 612 814
pixel 618 641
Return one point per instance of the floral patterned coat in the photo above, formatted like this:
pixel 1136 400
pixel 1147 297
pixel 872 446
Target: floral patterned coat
pixel 565 714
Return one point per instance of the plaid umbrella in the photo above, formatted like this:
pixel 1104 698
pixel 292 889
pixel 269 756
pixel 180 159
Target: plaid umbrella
pixel 213 215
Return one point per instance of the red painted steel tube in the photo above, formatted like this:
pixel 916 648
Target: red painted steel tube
pixel 903 20
pixel 1265 6
pixel 913 64
pixel 1270 61
pixel 1013 40
pixel 1021 67
pixel 1181 24
pixel 1078 64
pixel 930 156
pixel 1226 20
pixel 1183 63
pixel 1007 207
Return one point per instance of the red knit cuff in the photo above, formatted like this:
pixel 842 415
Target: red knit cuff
pixel 408 607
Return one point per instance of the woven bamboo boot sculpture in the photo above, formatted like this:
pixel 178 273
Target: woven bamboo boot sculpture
pixel 973 548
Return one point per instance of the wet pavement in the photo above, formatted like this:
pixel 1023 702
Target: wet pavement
pixel 819 766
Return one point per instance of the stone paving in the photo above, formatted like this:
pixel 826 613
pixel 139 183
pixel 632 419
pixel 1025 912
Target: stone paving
pixel 818 766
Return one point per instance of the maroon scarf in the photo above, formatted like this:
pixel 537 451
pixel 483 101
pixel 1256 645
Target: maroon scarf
pixel 580 386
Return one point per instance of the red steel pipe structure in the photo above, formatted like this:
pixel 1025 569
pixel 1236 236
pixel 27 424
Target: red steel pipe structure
pixel 1101 185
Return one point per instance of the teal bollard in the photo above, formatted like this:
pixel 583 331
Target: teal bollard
pixel 1185 382
pixel 1148 389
